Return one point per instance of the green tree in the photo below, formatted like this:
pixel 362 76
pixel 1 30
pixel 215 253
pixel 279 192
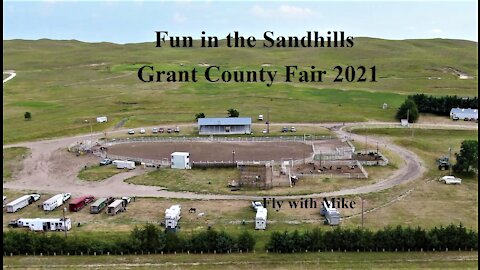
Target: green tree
pixel 245 241
pixel 467 159
pixel 408 107
pixel 233 113
pixel 27 115
pixel 199 115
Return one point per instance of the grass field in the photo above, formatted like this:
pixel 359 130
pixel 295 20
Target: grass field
pixel 312 260
pixel 12 158
pixel 428 202
pixel 97 173
pixel 63 83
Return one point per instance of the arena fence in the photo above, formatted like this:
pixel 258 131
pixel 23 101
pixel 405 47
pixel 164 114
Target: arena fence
pixel 110 142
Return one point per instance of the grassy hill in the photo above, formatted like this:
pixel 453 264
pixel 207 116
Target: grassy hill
pixel 62 83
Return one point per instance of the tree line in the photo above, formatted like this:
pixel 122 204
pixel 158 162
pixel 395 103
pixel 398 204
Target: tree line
pixel 149 238
pixel 388 239
pixel 152 239
pixel 421 103
pixel 443 104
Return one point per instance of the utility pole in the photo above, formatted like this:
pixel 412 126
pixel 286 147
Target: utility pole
pixel 366 135
pixel 362 211
pixel 408 114
pixel 64 222
pixel 233 156
pixel 268 120
pixel 449 160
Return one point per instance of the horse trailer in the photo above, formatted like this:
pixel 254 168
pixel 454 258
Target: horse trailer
pixel 53 202
pixel 115 207
pixel 172 216
pixel 100 204
pixel 261 218
pixel 77 204
pixel 332 215
pixel 45 224
pixel 18 203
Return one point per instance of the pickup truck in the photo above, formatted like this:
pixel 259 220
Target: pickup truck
pixel 451 180
pixel 256 205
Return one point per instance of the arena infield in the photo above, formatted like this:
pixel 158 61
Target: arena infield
pixel 215 151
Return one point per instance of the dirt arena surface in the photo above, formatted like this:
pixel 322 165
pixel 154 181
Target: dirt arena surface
pixel 215 151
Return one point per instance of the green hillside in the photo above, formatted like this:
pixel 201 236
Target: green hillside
pixel 62 83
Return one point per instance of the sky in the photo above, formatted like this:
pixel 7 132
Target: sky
pixel 136 21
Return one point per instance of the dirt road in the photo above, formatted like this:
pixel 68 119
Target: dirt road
pixel 50 168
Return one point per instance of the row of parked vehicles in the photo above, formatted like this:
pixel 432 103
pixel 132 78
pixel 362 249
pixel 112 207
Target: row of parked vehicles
pixel 156 130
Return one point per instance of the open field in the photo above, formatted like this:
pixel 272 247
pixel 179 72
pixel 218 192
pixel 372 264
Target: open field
pixel 12 161
pixel 336 260
pixel 425 202
pixel 63 83
pixel 96 172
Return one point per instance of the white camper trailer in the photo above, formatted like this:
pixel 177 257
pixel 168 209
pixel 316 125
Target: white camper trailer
pixel 115 207
pixel 102 119
pixel 180 160
pixel 45 224
pixel 124 164
pixel 18 204
pixel 172 216
pixel 331 214
pixel 53 202
pixel 261 218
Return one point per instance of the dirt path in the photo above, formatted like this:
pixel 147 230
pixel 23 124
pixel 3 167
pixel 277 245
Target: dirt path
pixel 51 169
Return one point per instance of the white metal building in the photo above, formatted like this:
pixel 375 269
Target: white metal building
pixel 102 119
pixel 464 114
pixel 180 160
pixel 224 126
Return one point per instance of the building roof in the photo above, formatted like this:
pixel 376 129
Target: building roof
pixel 180 153
pixel 464 111
pixel 225 121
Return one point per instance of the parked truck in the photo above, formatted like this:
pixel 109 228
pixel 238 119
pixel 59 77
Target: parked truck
pixel 124 164
pixel 53 202
pixel 172 216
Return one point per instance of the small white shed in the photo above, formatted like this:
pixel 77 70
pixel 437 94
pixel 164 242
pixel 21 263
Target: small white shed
pixel 180 160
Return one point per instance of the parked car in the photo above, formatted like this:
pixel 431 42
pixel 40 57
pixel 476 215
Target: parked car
pixel 142 131
pixel 89 199
pixel 260 117
pixel 155 130
pixel 66 196
pixel 169 130
pixel 177 130
pixel 105 162
pixel 264 131
pixel 131 131
pixel 284 129
pixel 161 130
pixel 293 129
